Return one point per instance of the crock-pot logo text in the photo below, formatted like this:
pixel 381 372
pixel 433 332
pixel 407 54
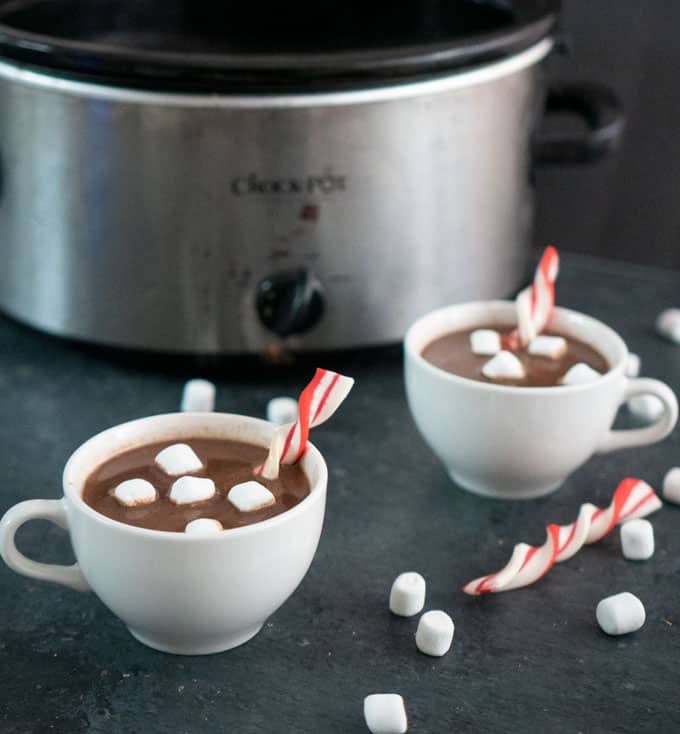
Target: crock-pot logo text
pixel 253 185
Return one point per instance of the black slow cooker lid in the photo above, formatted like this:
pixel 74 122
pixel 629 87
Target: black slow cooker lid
pixel 247 47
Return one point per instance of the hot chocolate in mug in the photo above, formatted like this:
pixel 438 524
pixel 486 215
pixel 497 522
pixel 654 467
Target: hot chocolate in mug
pixel 179 593
pixel 519 442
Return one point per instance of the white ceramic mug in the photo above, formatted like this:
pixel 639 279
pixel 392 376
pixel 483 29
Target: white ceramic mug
pixel 519 442
pixel 177 593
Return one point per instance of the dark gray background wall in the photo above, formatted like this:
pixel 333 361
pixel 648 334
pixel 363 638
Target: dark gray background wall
pixel 627 207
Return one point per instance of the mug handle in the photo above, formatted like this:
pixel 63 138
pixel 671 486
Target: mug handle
pixel 14 518
pixel 615 440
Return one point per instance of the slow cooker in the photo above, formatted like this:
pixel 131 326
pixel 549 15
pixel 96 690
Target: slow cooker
pixel 232 177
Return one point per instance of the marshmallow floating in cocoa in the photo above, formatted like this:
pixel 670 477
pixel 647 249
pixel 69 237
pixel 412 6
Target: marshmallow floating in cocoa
pixel 637 540
pixel 485 342
pixel 133 492
pixel 620 614
pixel 671 486
pixel 580 374
pixel 504 366
pixel 187 490
pixel 407 596
pixel 204 526
pixel 250 496
pixel 282 410
pixel 668 324
pixel 178 459
pixel 385 713
pixel 198 396
pixel 435 633
pixel 552 347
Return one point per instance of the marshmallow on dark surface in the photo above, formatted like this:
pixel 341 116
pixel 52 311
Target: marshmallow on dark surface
pixel 633 365
pixel 620 614
pixel 671 485
pixel 637 540
pixel 187 490
pixel 250 496
pixel 668 324
pixel 407 596
pixel 179 458
pixel 282 410
pixel 203 526
pixel 435 633
pixel 580 374
pixel 504 366
pixel 485 342
pixel 198 396
pixel 646 407
pixel 134 492
pixel 385 713
pixel 552 347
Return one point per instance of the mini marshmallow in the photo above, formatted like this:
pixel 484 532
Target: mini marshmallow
pixel 637 540
pixel 178 459
pixel 485 342
pixel 646 407
pixel 580 374
pixel 671 486
pixel 552 347
pixel 633 365
pixel 282 410
pixel 187 490
pixel 385 713
pixel 435 633
pixel 198 396
pixel 504 366
pixel 620 614
pixel 407 596
pixel 668 324
pixel 203 526
pixel 250 496
pixel 133 492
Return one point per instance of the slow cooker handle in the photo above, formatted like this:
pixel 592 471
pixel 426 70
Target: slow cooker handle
pixel 602 113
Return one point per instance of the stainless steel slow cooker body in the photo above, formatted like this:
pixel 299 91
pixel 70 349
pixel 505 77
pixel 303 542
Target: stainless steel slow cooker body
pixel 226 223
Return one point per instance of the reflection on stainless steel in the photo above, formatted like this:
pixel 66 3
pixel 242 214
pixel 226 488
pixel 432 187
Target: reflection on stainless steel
pixel 148 220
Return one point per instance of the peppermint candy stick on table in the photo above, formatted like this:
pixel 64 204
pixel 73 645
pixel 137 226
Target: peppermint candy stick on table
pixel 633 498
pixel 536 302
pixel 317 403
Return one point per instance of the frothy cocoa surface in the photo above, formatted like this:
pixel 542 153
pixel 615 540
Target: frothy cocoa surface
pixel 225 462
pixel 452 353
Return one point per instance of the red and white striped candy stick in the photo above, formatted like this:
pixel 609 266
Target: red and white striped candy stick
pixel 536 302
pixel 317 403
pixel 633 498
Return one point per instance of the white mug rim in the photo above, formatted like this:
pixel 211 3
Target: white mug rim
pixel 72 484
pixel 415 353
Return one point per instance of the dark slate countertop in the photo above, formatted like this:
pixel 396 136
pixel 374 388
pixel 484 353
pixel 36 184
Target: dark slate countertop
pixel 532 660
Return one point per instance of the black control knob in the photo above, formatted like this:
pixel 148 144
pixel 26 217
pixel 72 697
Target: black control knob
pixel 289 302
